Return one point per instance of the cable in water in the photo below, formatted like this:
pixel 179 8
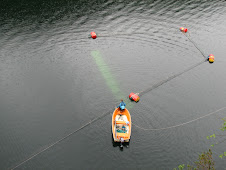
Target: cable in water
pixel 209 114
pixel 60 140
pixel 176 75
pixel 195 45
pixel 169 78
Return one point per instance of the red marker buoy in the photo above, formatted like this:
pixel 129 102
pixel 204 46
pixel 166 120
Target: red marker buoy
pixel 134 97
pixel 211 58
pixel 182 29
pixel 93 35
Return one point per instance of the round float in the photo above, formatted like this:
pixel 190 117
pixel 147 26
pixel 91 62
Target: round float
pixel 93 35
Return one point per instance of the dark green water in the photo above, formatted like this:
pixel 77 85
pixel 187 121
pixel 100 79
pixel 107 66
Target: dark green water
pixel 53 80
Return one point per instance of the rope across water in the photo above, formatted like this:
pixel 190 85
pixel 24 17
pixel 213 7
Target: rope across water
pixel 141 93
pixel 58 141
pixel 195 45
pixel 209 114
pixel 169 78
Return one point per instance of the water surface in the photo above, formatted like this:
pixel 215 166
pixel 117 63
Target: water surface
pixel 51 84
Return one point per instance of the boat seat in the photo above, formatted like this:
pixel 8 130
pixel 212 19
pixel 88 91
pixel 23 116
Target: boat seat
pixel 121 122
pixel 123 135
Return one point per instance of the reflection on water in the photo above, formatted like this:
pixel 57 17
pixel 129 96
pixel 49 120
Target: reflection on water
pixel 50 83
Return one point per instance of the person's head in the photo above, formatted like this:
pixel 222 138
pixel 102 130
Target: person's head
pixel 122 107
pixel 121 100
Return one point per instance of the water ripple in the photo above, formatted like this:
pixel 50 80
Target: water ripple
pixel 51 84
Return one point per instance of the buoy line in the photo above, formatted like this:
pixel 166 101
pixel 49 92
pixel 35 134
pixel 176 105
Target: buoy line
pixel 210 58
pixel 169 78
pixel 63 138
pixel 209 114
pixel 195 45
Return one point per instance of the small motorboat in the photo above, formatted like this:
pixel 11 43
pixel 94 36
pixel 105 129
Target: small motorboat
pixel 121 125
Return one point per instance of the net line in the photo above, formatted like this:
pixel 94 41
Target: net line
pixel 196 46
pixel 60 140
pixel 169 78
pixel 209 114
pixel 141 93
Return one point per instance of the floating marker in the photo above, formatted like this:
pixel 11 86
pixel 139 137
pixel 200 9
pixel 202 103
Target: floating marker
pixel 134 97
pixel 182 29
pixel 93 35
pixel 211 58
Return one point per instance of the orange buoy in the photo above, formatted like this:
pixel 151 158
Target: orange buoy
pixel 211 58
pixel 182 29
pixel 134 97
pixel 93 35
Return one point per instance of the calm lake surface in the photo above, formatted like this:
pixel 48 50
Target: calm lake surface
pixel 54 79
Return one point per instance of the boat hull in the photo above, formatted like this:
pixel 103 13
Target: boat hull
pixel 121 125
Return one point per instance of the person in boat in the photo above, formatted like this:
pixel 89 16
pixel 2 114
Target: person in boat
pixel 122 105
pixel 124 129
